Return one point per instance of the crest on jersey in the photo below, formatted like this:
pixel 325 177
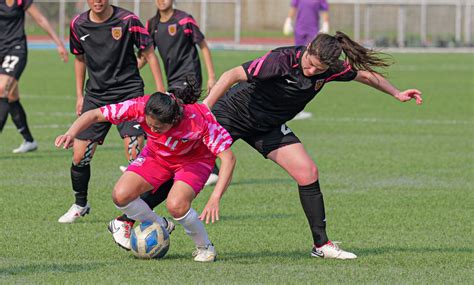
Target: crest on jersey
pixel 319 84
pixel 172 29
pixel 117 33
pixel 10 3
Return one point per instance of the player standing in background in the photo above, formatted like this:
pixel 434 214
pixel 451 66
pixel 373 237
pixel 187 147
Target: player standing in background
pixel 103 40
pixel 183 142
pixel 175 34
pixel 13 59
pixel 307 14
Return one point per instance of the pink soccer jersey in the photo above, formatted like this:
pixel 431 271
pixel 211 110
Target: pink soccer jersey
pixel 197 136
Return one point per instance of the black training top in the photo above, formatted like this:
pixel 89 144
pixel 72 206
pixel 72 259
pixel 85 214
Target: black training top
pixel 12 24
pixel 109 53
pixel 176 41
pixel 276 90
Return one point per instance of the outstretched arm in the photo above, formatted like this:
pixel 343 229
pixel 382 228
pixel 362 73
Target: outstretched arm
pixel 211 76
pixel 150 56
pixel 80 124
pixel 379 82
pixel 211 210
pixel 226 81
pixel 44 24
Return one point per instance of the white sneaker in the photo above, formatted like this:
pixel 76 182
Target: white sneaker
pixel 331 250
pixel 212 179
pixel 303 115
pixel 122 168
pixel 26 147
pixel 205 254
pixel 169 225
pixel 74 213
pixel 120 231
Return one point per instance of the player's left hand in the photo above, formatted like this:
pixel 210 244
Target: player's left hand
pixel 210 84
pixel 409 94
pixel 63 53
pixel 65 140
pixel 211 211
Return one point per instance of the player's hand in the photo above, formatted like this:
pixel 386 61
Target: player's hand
pixel 79 104
pixel 63 53
pixel 210 83
pixel 65 140
pixel 211 211
pixel 409 94
pixel 288 27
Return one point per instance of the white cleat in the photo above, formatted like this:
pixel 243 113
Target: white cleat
pixel 123 168
pixel 303 115
pixel 169 225
pixel 205 254
pixel 331 250
pixel 74 213
pixel 26 147
pixel 120 231
pixel 212 179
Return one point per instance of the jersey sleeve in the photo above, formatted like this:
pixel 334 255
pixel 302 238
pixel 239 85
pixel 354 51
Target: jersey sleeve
pixel 140 35
pixel 75 45
pixel 191 28
pixel 343 71
pixel 129 110
pixel 215 137
pixel 26 4
pixel 271 65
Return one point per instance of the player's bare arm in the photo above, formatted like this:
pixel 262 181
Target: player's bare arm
pixel 206 53
pixel 80 75
pixel 379 82
pixel 150 56
pixel 226 81
pixel 83 122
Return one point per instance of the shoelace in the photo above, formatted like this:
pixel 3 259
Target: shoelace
pixel 127 227
pixel 199 250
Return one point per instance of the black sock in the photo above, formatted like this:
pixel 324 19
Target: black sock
pixel 80 176
pixel 153 199
pixel 215 170
pixel 313 205
pixel 19 118
pixel 4 110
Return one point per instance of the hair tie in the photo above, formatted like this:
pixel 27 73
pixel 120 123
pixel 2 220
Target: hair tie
pixel 172 96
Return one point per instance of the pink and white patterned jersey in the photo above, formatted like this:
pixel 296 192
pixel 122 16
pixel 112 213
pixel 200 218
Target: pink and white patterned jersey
pixel 197 136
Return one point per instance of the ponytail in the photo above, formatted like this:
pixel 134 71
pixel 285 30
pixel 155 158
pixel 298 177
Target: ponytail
pixel 189 92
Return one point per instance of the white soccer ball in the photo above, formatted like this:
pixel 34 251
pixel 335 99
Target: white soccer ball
pixel 149 240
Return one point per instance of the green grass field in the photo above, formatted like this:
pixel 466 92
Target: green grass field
pixel 397 180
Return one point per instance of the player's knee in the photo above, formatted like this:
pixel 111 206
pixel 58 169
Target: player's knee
pixel 177 208
pixel 309 174
pixel 121 196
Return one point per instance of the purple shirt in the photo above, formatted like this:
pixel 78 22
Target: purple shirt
pixel 307 17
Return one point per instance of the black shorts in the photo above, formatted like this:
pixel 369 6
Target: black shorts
pixel 13 63
pixel 97 132
pixel 264 142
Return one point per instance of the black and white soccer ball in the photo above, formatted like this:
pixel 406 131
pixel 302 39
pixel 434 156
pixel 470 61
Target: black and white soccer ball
pixel 149 240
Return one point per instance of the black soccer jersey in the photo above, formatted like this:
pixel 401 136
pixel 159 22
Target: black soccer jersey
pixel 12 24
pixel 176 41
pixel 276 90
pixel 109 53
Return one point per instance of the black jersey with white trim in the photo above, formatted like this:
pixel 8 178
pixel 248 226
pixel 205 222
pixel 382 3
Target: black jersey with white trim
pixel 276 90
pixel 109 51
pixel 176 41
pixel 12 24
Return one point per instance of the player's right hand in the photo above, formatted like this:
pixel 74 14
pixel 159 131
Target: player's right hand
pixel 79 104
pixel 65 140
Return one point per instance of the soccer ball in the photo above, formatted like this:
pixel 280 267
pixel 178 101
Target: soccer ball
pixel 149 240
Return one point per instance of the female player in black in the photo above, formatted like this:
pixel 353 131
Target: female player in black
pixel 103 40
pixel 13 59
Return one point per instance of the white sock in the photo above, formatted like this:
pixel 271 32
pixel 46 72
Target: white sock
pixel 138 210
pixel 194 228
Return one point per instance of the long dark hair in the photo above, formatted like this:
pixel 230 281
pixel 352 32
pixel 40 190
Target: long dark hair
pixel 328 50
pixel 168 107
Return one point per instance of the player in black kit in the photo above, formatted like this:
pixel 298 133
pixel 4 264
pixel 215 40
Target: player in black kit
pixel 13 58
pixel 103 40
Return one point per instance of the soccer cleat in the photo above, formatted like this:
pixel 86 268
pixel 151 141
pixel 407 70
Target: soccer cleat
pixel 303 115
pixel 74 213
pixel 120 231
pixel 212 179
pixel 205 253
pixel 123 168
pixel 331 250
pixel 169 225
pixel 26 147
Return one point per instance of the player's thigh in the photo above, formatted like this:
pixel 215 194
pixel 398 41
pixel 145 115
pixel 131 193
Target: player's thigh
pixel 83 151
pixel 179 199
pixel 7 85
pixel 129 187
pixel 12 65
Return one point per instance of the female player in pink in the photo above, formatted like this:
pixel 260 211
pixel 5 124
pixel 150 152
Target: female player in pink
pixel 183 141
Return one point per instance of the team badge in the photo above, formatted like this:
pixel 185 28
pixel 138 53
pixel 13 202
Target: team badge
pixel 172 29
pixel 319 84
pixel 10 3
pixel 117 33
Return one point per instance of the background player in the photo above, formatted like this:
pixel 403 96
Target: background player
pixel 13 59
pixel 103 40
pixel 183 142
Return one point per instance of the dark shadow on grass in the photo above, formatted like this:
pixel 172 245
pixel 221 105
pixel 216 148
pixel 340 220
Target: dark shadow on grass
pixel 395 249
pixel 263 181
pixel 50 268
pixel 253 257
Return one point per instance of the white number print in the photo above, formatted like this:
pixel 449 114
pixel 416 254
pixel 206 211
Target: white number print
pixel 9 62
pixel 285 130
pixel 168 143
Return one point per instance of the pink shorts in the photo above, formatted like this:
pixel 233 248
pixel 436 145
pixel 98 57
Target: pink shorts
pixel 156 171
